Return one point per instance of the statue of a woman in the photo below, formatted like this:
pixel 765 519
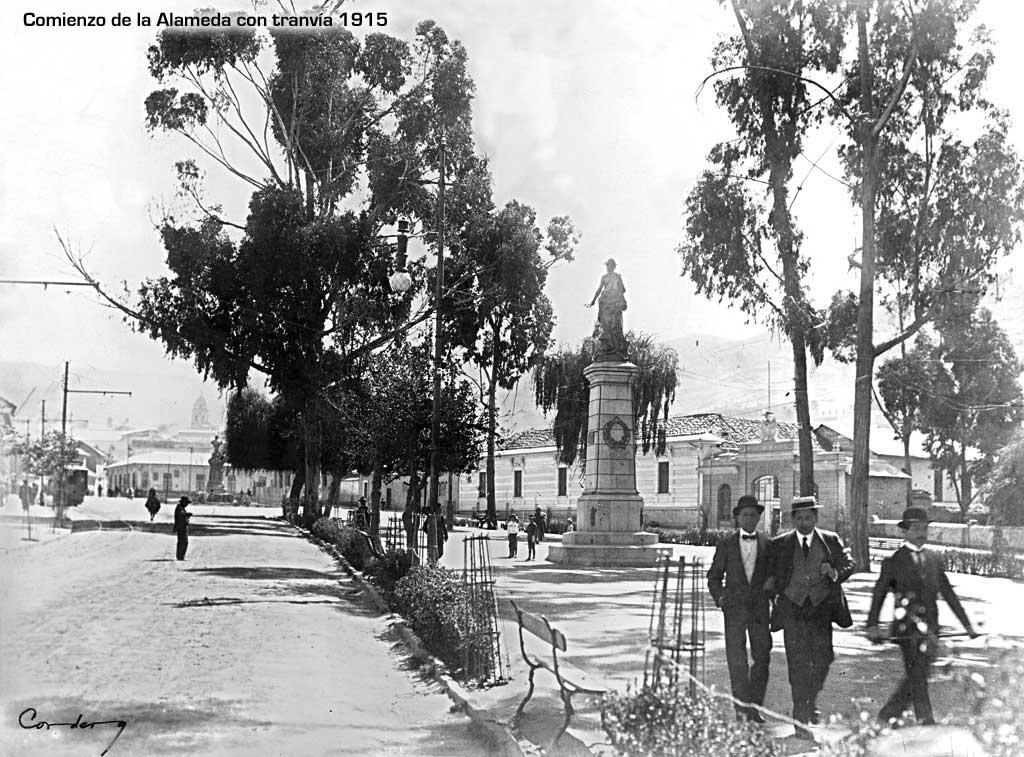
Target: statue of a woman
pixel 611 301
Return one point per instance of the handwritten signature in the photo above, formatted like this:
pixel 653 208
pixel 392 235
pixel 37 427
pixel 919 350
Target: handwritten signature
pixel 27 719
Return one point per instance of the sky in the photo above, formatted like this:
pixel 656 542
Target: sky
pixel 584 107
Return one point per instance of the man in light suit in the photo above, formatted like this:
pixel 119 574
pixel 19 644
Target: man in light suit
pixel 808 566
pixel 916 578
pixel 741 561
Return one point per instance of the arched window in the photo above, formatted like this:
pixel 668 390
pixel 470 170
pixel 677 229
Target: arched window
pixel 766 489
pixel 724 504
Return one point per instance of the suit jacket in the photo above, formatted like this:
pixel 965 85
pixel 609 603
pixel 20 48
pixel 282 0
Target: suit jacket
pixel 782 549
pixel 919 588
pixel 181 516
pixel 737 595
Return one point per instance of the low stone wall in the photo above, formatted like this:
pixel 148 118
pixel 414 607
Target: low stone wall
pixel 672 516
pixel 955 534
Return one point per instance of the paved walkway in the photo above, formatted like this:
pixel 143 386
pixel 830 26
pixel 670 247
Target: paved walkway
pixel 605 615
pixel 255 645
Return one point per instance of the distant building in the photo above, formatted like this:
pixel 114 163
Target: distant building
pixel 709 461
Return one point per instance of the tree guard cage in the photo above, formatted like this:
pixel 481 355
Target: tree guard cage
pixel 484 657
pixel 677 626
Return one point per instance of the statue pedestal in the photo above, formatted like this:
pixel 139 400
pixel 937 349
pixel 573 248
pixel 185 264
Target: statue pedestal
pixel 609 512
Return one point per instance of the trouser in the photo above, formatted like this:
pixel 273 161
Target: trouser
pixel 807 634
pixel 531 549
pixel 182 545
pixel 748 681
pixel 914 686
pixel 513 544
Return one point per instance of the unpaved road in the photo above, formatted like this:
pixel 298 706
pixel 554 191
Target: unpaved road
pixel 255 645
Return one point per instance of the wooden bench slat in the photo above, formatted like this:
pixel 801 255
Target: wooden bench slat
pixel 539 628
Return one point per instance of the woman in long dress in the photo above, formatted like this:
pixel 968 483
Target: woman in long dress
pixel 611 301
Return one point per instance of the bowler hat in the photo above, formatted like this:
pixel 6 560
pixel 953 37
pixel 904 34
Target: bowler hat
pixel 747 500
pixel 803 503
pixel 914 515
pixel 184 501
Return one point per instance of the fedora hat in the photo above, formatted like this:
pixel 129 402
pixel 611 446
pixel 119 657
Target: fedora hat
pixel 747 500
pixel 184 501
pixel 914 515
pixel 803 503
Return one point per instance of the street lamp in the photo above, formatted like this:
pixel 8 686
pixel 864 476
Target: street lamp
pixel 400 282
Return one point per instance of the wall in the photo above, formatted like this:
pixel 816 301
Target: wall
pixel 955 534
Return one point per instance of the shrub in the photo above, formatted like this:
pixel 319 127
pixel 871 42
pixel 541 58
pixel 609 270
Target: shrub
pixel 386 571
pixel 349 542
pixel 669 722
pixel 435 602
pixel 701 537
pixel 1003 565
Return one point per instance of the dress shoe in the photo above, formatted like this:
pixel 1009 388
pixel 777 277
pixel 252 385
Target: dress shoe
pixel 755 717
pixel 815 716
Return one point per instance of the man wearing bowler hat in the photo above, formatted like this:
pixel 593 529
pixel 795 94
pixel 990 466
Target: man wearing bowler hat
pixel 736 581
pixel 181 519
pixel 916 577
pixel 808 564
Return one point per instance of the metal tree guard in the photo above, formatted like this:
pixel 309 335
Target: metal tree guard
pixel 394 536
pixel 483 656
pixel 677 627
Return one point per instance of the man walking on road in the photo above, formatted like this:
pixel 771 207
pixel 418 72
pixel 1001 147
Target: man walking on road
pixel 181 518
pixel 916 578
pixel 808 566
pixel 741 560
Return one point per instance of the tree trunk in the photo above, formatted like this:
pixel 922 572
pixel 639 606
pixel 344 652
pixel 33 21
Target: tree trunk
pixel 492 424
pixel 298 482
pixel 907 467
pixel 375 480
pixel 797 324
pixel 965 486
pixel 332 494
pixel 857 505
pixel 311 432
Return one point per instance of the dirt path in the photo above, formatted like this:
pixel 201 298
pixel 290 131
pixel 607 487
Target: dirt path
pixel 255 645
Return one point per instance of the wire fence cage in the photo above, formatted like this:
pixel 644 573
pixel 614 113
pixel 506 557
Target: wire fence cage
pixel 484 658
pixel 677 629
pixel 395 536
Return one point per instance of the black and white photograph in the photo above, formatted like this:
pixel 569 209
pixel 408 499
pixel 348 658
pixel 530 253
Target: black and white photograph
pixel 444 378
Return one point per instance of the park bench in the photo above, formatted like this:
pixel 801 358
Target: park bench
pixel 571 680
pixel 883 543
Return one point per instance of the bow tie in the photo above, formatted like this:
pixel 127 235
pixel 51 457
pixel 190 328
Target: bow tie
pixel 749 536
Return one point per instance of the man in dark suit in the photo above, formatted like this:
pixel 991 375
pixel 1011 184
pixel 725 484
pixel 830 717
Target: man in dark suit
pixel 808 566
pixel 741 560
pixel 916 577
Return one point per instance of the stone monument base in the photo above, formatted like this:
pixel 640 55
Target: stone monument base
pixel 608 549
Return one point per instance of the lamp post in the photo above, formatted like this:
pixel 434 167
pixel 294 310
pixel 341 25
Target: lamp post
pixel 400 282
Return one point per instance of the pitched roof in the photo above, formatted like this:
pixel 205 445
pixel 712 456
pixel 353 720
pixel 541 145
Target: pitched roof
pixel 730 429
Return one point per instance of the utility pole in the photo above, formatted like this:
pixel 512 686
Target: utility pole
pixel 435 423
pixel 61 502
pixel 42 435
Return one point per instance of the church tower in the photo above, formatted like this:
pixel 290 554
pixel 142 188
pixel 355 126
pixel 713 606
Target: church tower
pixel 200 414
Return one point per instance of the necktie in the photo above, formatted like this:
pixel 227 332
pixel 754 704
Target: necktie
pixel 806 547
pixel 749 536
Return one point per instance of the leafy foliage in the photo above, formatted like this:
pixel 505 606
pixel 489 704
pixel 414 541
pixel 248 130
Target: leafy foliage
pixel 349 541
pixel 974 401
pixel 559 384
pixel 702 537
pixel 1006 484
pixel 48 455
pixel 669 722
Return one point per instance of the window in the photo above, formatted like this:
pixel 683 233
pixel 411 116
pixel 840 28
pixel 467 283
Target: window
pixel 482 489
pixel 387 498
pixel 724 503
pixel 366 489
pixel 937 485
pixel 663 477
pixel 517 483
pixel 766 489
pixel 563 484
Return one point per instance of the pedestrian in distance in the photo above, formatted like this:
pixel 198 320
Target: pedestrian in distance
pixel 181 519
pixel 25 495
pixel 362 515
pixel 437 532
pixel 513 535
pixel 152 504
pixel 532 530
pixel 808 566
pixel 916 578
pixel 541 523
pixel 736 580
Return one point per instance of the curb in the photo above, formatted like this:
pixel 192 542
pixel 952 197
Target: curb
pixel 496 733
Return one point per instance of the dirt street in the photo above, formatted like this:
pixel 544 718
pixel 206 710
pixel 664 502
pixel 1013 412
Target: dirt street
pixel 255 645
